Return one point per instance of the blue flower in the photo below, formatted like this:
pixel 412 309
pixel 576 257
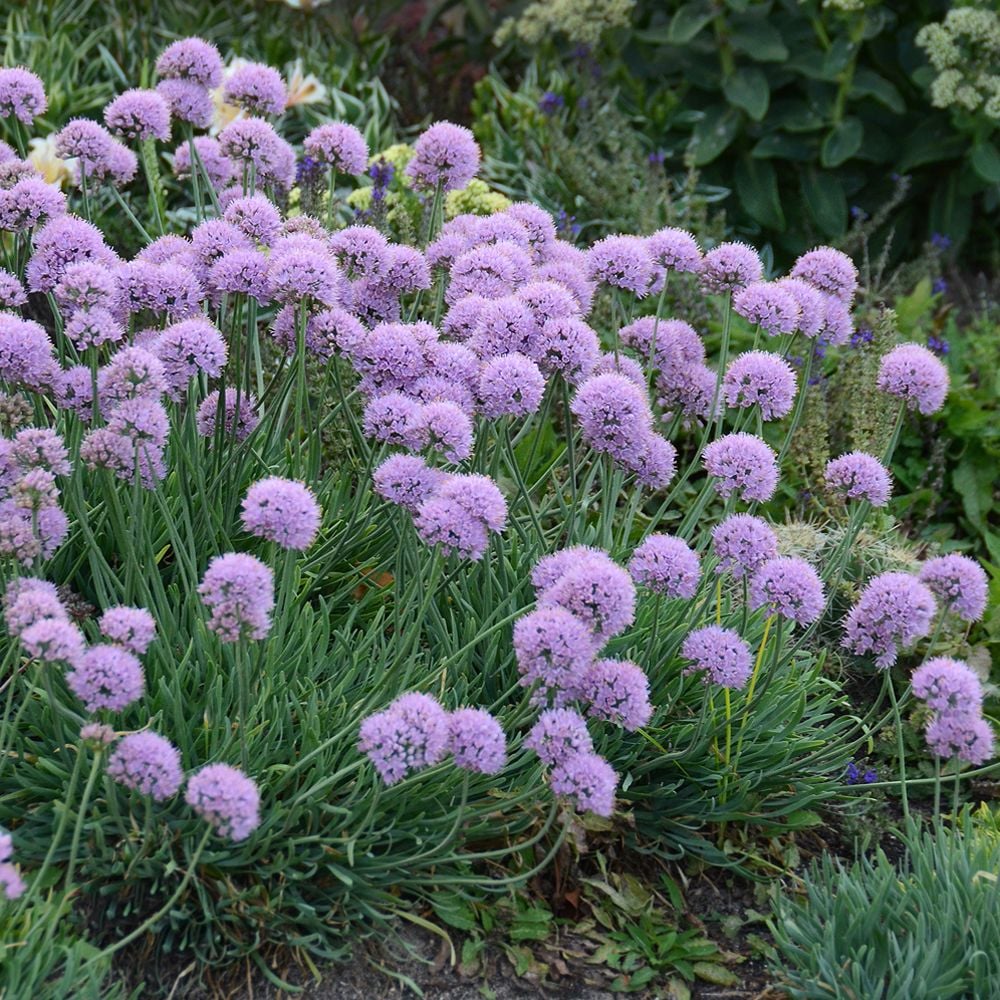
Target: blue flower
pixel 550 103
pixel 940 242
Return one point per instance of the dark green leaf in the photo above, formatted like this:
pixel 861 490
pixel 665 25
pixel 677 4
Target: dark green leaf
pixel 842 142
pixel 713 134
pixel 825 200
pixel 868 83
pixel 454 911
pixel 718 975
pixel 929 145
pixel 689 20
pixel 748 89
pixel 951 210
pixel 783 147
pixel 985 160
pixel 757 188
pixel 837 58
pixel 759 40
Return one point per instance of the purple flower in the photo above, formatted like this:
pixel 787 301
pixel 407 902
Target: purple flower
pixel 239 424
pixel 729 267
pixel 538 223
pixel 504 326
pixel 147 763
pixel 11 884
pixel 959 583
pixel 226 799
pixel 616 691
pixel 811 302
pixel 131 628
pixel 549 103
pixel 138 115
pixel 297 274
pixel 721 652
pixel 390 358
pixel 758 378
pixel 28 203
pixel 589 780
pixel 788 587
pixel 622 262
pixel 621 365
pixel 187 349
pixel 666 565
pixel 743 543
pixel 768 305
pixel 948 686
pixel 191 59
pixel 443 522
pixel 559 733
pixel 476 741
pixel 255 216
pixel 242 272
pixel 254 143
pixel 12 293
pixel 894 610
pixel 40 448
pixel 912 373
pixel 21 94
pixel 568 347
pixel 28 600
pixel 443 426
pixel 599 592
pixel 407 480
pixel 362 251
pixel 968 737
pixel 219 168
pixel 238 590
pixel 392 419
pixel 553 649
pixel 63 241
pixel 282 511
pixel 674 250
pixel 142 421
pixel 572 276
pixel 491 270
pixel 406 269
pixel 614 416
pixel 829 270
pixel 445 155
pixel 409 735
pixel 85 286
pixel 53 640
pixel 73 390
pixel 256 88
pixel 656 462
pixel 742 463
pixel 677 345
pixel 857 476
pixel 547 300
pixel 106 677
pixel 104 449
pixel 479 497
pixel 499 228
pixel 188 101
pixel 340 145
pixel 462 318
pixel 510 385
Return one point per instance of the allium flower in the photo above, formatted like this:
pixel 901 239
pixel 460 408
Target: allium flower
pixel 12 885
pixel 788 587
pixel 968 737
pixel 894 610
pixel 505 326
pixel 957 582
pixel 407 480
pixel 729 267
pixel 538 223
pixel 409 735
pixel 64 240
pixel 479 497
pixel 573 277
pixel 492 271
pixel 758 378
pixel 691 390
pixel 656 463
pixel 677 344
pixel 721 652
pixel 242 272
pixel 445 523
pixel 674 250
pixel 219 168
pixel 912 373
pixel 622 262
pixel 35 490
pixel 768 305
pixel 256 88
pixel 239 424
pixel 97 735
pixel 829 270
pixel 445 155
pixel 298 274
pixel 187 349
pixel 948 686
pixel 443 426
pixel 104 449
pixel 614 416
pixel 373 302
pixel 282 511
pixel 498 228
pixel 85 286
pixel 547 300
pixel 453 362
pixel 40 448
pixel 510 385
pixel 666 565
pixel 743 543
pixel 744 463
pixel 558 734
pixel 191 59
pixel 28 203
pixel 53 640
pixel 187 101
pixel 238 590
pixel 811 303
pixel 132 373
pixel 476 740
pixel 139 114
pixel 390 358
pixel 589 780
pixel 254 142
pixel 28 600
pixel 616 691
pixel 73 390
pixel 106 677
pixel 226 799
pixel 12 293
pixel 461 320
pixel 142 421
pixel 553 649
pixel 132 628
pixel 568 347
pixel 147 763
pixel 21 94
pixel 256 216
pixel 392 419
pixel 599 592
pixel 340 145
pixel 362 251
pixel 406 269
pixel 857 476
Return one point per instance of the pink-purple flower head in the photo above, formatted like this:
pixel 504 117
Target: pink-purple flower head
pixel 22 95
pixel 106 676
pixel 87 285
pixel 131 373
pixel 444 427
pixel 25 535
pixel 462 318
pixel 599 592
pixel 238 591
pixel 655 464
pixel 729 267
pixel 191 59
pixel 812 305
pixel 256 88
pixel 242 272
pixel 491 271
pixel 226 799
pixel 138 115
pixel 959 583
pixel 913 374
pixel 282 511
pixel 759 378
pixel 406 269
pixel 407 480
pixel 102 448
pixel 499 228
pixel 299 274
pixel 62 241
pixel 12 293
pixel 480 498
pixel 131 628
pixel 510 385
pixel 568 347
pixel 553 649
pixel 445 155
pixel 187 101
pixel 743 543
pixel 547 300
pixel 40 448
pixel 588 780
pixel 614 415
pixel 893 611
pixel 409 735
pixel 459 516
pixel 722 653
pixel 256 216
pixel 504 326
pixel 830 271
pixel 559 733
pixel 239 414
pixel 29 203
pixel 476 741
pixel 742 463
pixel 389 359
pixel 970 737
pixel 788 587
pixel 53 640
pixel 188 349
pixel 254 143
pixel 26 353
pixel 857 476
pixel 339 145
pixel 674 250
pixel 666 565
pixel 28 600
pixel 616 691
pixel 572 275
pixel 622 262
pixel 362 251
pixel 948 686
pixel 767 305
pixel 392 419
pixel 147 763
pixel 539 225
pixel 670 344
pixel 219 168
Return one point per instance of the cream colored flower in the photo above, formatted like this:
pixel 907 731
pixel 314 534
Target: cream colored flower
pixel 43 158
pixel 304 88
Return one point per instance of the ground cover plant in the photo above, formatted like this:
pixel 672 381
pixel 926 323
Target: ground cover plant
pixel 363 539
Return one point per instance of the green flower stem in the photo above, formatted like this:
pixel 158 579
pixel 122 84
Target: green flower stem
pixel 243 696
pixel 81 817
pixel 152 170
pixel 900 749
pixel 800 405
pixel 727 322
pixel 896 430
pixel 768 622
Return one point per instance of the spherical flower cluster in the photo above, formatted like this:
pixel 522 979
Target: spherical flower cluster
pixel 226 799
pixel 53 640
pixel 969 737
pixel 492 270
pixel 913 374
pixel 721 652
pixel 409 735
pixel 614 414
pixel 191 59
pixel 666 565
pixel 743 543
pixel 460 514
pixel 729 267
pixel 407 480
pixel 391 418
pixel 238 590
pixel 131 628
pixel 812 305
pixel 338 144
pixel 239 414
pixel 742 463
pixel 256 216
pixel 390 358
pixel 443 426
pixel 256 88
pixel 589 780
pixel 147 763
pixel 857 476
pixel 893 611
pixel 187 101
pixel 138 115
pixel 106 676
pixel 187 349
pixel 788 587
pixel 622 262
pixel 476 741
pixel 959 583
pixel 510 385
pixel 445 155
pixel 21 94
pixel 769 306
pixel 758 378
pixel 282 511
pixel 616 691
pixel 12 293
pixel 674 250
pixel 558 734
pixel 28 600
pixel 567 346
pixel 948 685
pixel 553 649
pixel 217 166
pixel 830 271
pixel 254 142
